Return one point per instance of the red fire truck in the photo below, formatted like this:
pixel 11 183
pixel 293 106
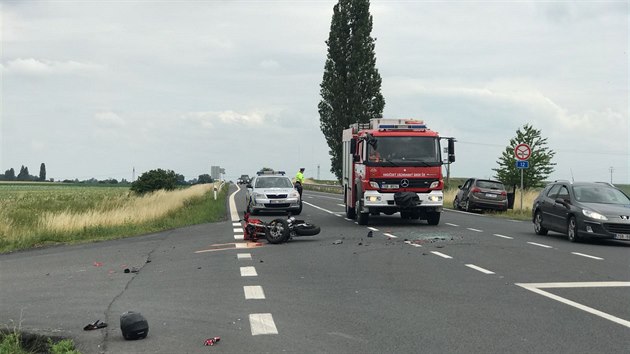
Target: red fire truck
pixel 393 165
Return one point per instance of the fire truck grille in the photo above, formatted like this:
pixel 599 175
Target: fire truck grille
pixel 413 182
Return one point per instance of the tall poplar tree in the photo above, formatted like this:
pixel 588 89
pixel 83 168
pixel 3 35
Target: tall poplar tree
pixel 351 86
pixel 42 172
pixel 540 165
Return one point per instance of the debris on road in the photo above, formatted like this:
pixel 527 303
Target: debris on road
pixel 96 325
pixel 337 242
pixel 212 341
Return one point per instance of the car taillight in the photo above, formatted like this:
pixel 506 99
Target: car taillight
pixel 475 190
pixel 503 193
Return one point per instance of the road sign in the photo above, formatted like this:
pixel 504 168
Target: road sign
pixel 522 151
pixel 522 164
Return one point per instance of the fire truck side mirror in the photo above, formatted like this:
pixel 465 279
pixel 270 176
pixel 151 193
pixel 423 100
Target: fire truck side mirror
pixel 451 150
pixel 353 146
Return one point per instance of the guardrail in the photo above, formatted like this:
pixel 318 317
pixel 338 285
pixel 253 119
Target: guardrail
pixel 328 188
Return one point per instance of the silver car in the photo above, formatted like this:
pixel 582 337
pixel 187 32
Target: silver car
pixel 272 192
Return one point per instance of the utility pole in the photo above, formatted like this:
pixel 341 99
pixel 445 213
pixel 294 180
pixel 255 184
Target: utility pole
pixel 318 172
pixel 611 169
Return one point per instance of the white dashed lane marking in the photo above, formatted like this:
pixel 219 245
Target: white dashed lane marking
pixel 586 255
pixel 390 235
pixel 503 236
pixel 475 230
pixel 253 292
pixel 244 256
pixel 449 224
pixel 441 254
pixel 235 224
pixel 372 228
pixel 485 271
pixel 248 272
pixel 262 323
pixel 539 245
pixel 238 230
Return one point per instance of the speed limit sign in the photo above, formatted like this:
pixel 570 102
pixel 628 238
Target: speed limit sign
pixel 522 151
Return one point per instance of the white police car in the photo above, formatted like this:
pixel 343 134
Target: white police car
pixel 272 191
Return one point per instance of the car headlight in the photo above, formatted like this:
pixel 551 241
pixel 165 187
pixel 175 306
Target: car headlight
pixel 258 195
pixel 593 215
pixel 294 194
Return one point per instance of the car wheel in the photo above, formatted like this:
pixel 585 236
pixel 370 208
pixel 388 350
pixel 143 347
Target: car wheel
pixel 456 204
pixel 468 206
pixel 572 232
pixel 538 228
pixel 297 212
pixel 277 231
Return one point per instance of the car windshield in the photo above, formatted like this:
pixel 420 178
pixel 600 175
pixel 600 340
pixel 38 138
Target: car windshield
pixel 273 182
pixel 603 195
pixel 406 150
pixel 490 185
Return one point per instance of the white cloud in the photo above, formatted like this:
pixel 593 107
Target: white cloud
pixel 32 66
pixel 109 119
pixel 269 64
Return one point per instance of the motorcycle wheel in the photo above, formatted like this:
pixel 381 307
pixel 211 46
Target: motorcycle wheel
pixel 306 229
pixel 277 231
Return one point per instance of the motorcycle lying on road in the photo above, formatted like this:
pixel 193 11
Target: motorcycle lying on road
pixel 277 230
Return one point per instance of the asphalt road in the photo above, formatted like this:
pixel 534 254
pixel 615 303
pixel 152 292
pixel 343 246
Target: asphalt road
pixel 472 284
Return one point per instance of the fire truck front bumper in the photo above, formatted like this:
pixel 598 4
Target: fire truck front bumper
pixel 383 201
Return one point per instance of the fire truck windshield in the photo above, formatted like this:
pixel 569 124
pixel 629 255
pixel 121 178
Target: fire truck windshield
pixel 405 151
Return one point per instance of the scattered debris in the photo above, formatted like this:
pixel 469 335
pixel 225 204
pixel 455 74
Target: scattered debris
pixel 96 325
pixel 98 264
pixel 370 233
pixel 212 341
pixel 337 242
pixel 132 270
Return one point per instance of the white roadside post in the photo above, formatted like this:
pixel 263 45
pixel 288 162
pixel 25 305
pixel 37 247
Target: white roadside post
pixel 522 152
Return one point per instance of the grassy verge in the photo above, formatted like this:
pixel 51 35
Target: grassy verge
pixel 38 216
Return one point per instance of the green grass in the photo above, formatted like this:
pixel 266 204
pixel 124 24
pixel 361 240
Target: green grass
pixel 22 206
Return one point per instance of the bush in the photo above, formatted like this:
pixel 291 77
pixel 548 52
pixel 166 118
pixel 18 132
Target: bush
pixel 154 180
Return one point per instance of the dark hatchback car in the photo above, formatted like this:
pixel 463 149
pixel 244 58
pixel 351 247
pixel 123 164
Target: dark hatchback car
pixel 582 210
pixel 481 194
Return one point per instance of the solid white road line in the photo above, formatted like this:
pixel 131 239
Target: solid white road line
pixel 449 224
pixel 476 230
pixel 539 245
pixel 233 212
pixel 586 255
pixel 535 287
pixel 343 205
pixel 441 254
pixel 253 292
pixel 389 235
pixel 262 323
pixel 244 256
pixel 320 208
pixel 248 272
pixel 479 269
pixel 508 237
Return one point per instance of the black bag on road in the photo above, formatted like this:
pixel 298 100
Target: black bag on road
pixel 133 325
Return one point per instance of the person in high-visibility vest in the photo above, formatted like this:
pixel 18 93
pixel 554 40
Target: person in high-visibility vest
pixel 299 180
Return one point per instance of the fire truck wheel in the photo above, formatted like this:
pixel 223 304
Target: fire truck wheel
pixel 433 218
pixel 277 231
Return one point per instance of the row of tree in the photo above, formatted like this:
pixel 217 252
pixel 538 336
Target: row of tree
pixel 351 93
pixel 24 175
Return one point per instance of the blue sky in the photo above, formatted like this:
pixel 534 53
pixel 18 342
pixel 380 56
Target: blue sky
pixel 98 88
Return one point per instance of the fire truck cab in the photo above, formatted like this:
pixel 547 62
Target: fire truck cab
pixel 393 165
